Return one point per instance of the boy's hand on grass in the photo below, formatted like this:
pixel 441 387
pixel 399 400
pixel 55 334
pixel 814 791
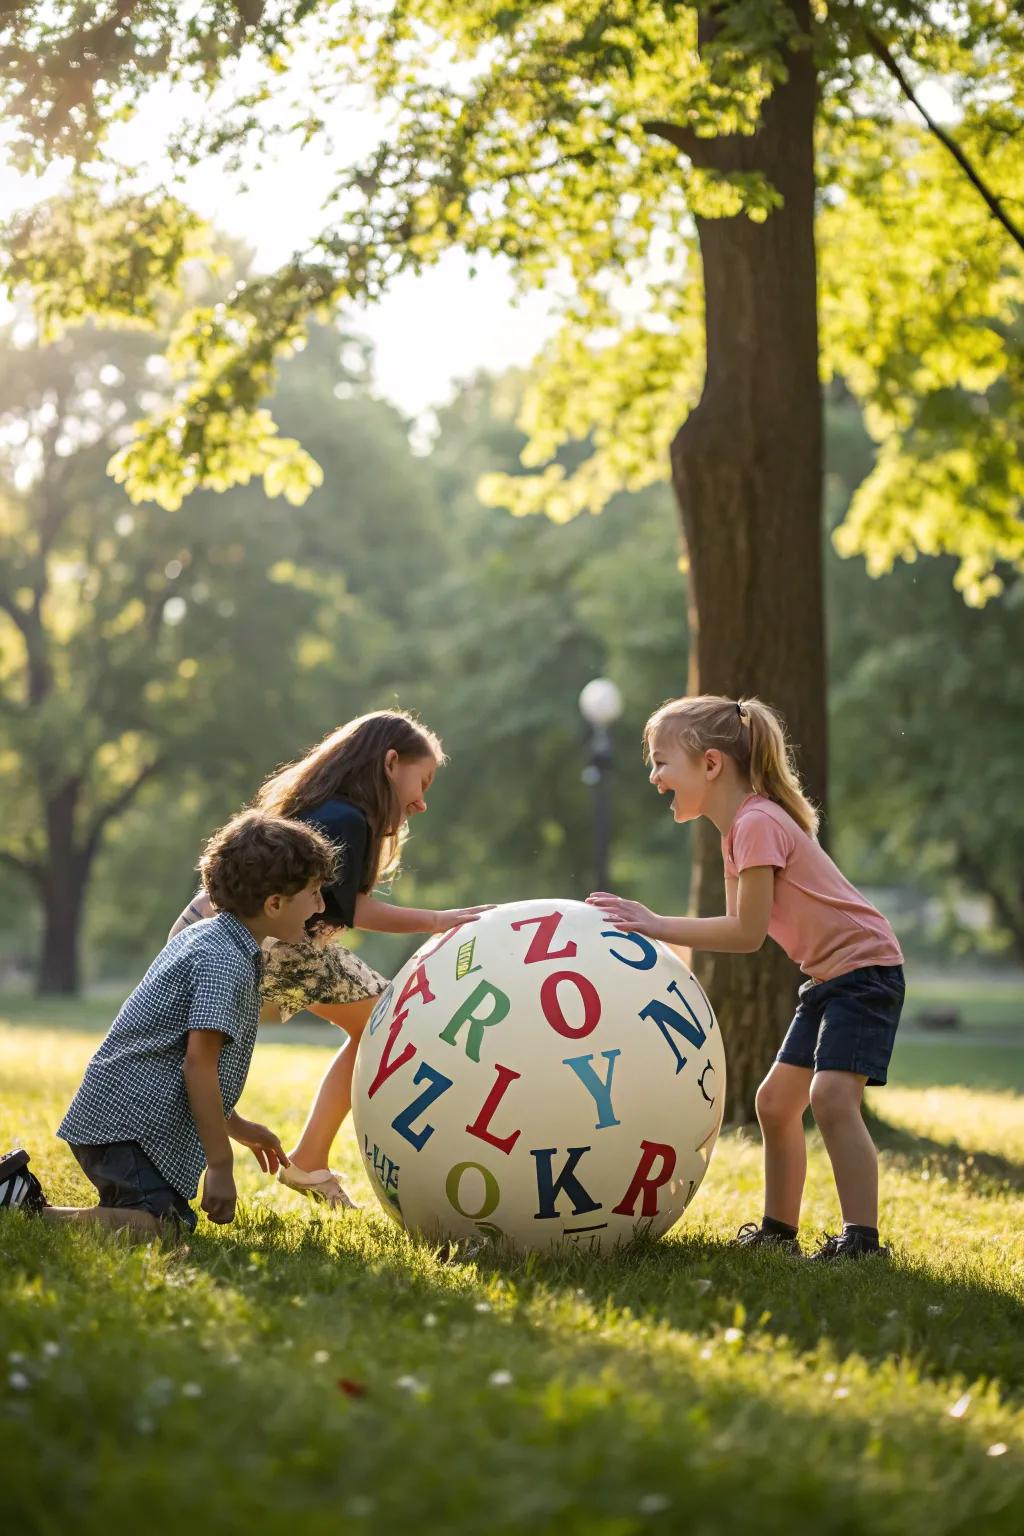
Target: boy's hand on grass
pixel 630 916
pixel 262 1142
pixel 455 916
pixel 219 1194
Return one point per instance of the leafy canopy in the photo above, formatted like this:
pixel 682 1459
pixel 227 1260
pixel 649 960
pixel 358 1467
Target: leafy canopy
pixel 536 133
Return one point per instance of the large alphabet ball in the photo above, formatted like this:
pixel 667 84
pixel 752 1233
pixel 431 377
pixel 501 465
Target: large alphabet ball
pixel 541 1077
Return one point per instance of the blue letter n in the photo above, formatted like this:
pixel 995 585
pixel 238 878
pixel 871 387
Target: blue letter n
pixel 668 1018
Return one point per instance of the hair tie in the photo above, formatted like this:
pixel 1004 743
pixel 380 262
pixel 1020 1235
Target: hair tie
pixel 739 711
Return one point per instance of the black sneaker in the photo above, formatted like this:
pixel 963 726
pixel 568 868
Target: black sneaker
pixel 19 1189
pixel 753 1235
pixel 848 1245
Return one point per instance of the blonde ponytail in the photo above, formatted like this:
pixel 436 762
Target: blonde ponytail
pixel 772 769
pixel 749 732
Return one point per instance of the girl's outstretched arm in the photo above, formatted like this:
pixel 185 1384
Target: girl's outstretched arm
pixel 381 917
pixel 740 932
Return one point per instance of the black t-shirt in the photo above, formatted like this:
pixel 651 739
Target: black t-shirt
pixel 347 828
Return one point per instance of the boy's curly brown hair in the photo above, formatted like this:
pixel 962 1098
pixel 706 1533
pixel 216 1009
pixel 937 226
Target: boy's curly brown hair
pixel 256 855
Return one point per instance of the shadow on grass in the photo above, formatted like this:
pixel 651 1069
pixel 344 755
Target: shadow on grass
pixel 215 1426
pixel 986 1172
pixel 898 1310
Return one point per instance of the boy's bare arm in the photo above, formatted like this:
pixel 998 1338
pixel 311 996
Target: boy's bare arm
pixel 202 1053
pixel 200 906
pixel 263 1143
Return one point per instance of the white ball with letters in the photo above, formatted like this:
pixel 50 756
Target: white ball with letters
pixel 540 1077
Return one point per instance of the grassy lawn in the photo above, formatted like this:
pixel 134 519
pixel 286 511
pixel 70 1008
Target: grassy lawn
pixel 326 1374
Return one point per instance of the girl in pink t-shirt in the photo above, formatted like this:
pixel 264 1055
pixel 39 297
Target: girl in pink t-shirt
pixel 729 761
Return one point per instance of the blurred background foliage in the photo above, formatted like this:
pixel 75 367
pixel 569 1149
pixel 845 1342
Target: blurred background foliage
pixel 191 651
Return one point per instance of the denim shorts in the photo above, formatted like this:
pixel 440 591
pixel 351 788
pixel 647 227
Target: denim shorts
pixel 124 1176
pixel 847 1024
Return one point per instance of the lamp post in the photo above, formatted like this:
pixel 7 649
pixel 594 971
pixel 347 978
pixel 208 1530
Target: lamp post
pixel 600 706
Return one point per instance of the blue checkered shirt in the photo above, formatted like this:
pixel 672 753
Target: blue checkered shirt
pixel 207 977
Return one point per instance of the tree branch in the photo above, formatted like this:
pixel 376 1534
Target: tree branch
pixel 13 612
pixel 114 807
pixel 28 867
pixel 682 137
pixel 994 204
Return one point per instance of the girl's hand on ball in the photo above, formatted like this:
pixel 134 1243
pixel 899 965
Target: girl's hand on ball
pixel 458 915
pixel 630 916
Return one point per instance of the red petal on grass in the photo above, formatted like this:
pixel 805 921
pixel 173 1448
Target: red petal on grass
pixel 351 1388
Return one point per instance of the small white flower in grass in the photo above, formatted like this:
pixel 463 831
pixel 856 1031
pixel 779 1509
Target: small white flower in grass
pixel 829 1376
pixel 50 1349
pixel 999 1449
pixel 483 1306
pixel 410 1384
pixel 733 1335
pixel 960 1407
pixel 18 1381
pixel 191 1389
pixel 841 1392
pixel 653 1504
pixel 706 1352
pixel 430 1320
pixel 16 1357
pixel 321 1357
pixel 702 1287
pixel 936 1311
pixel 500 1378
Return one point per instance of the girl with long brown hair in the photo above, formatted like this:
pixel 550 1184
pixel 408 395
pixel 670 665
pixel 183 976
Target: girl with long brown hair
pixel 359 786
pixel 728 760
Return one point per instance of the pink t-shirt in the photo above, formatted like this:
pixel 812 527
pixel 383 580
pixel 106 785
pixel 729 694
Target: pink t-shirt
pixel 818 917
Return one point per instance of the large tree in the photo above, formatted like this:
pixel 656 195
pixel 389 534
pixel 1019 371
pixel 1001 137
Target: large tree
pixel 664 163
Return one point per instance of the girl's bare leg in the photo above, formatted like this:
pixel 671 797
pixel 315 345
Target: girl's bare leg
pixel 836 1104
pixel 334 1095
pixel 781 1101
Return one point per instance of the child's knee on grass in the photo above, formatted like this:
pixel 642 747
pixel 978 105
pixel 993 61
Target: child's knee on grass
pixel 114 1218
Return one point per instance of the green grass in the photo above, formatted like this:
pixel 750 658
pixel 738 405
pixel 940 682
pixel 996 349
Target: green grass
pixel 678 1387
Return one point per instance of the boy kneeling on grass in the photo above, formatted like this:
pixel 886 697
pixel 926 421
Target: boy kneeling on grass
pixel 157 1103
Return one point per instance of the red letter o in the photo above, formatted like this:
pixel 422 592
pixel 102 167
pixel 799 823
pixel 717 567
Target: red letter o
pixel 552 1009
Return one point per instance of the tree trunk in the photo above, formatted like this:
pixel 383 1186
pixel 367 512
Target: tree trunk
pixel 747 469
pixel 63 891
